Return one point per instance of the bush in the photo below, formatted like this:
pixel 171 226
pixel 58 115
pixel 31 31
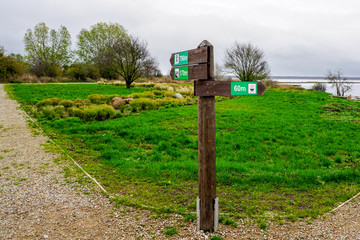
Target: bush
pixel 270 83
pixel 48 102
pixel 67 103
pixel 53 111
pixel 186 90
pixel 101 99
pixel 169 94
pixel 158 92
pixel 53 71
pixel 143 95
pixel 81 102
pixel 98 112
pixel 143 104
pixel 83 72
pixel 319 87
pixel 76 112
pixel 10 67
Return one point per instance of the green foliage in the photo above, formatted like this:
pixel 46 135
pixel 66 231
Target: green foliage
pixel 82 72
pixel 227 221
pixel 76 112
pixel 262 224
pixel 48 102
pixel 190 218
pixel 66 103
pixel 216 238
pixel 31 94
pixel 10 67
pixel 143 104
pixel 51 112
pixel 143 95
pixel 342 110
pixel 170 231
pixel 101 99
pixel 47 50
pixel 95 46
pixel 98 112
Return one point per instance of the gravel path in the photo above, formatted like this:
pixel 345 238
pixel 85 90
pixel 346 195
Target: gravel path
pixel 36 201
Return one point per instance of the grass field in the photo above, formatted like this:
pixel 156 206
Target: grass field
pixel 291 153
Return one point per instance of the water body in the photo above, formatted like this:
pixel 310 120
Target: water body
pixel 308 83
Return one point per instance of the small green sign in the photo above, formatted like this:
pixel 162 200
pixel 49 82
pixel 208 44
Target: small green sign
pixel 181 73
pixel 181 58
pixel 243 88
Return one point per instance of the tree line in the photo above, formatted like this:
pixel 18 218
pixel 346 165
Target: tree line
pixel 106 50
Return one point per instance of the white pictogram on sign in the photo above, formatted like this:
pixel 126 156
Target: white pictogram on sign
pixel 252 88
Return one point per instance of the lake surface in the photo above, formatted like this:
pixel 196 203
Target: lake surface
pixel 308 83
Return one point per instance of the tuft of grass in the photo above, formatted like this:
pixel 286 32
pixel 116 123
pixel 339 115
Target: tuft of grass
pixel 216 238
pixel 190 218
pixel 227 221
pixel 262 224
pixel 170 231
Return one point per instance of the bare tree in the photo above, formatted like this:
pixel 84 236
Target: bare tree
pixel 132 59
pixel 246 62
pixel 339 82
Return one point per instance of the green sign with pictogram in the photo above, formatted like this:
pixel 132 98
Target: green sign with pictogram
pixel 181 73
pixel 181 58
pixel 243 88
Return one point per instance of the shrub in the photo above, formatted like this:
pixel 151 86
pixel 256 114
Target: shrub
pixel 53 71
pixel 101 99
pixel 270 83
pixel 170 231
pixel 67 103
pixel 98 112
pixel 95 98
pixel 49 111
pixel 60 111
pixel 169 94
pixel 157 92
pixel 319 87
pixel 48 102
pixel 143 95
pixel 10 67
pixel 143 104
pixel 83 71
pixel 186 90
pixel 81 102
pixel 76 112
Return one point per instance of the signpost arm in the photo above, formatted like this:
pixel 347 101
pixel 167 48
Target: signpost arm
pixel 207 153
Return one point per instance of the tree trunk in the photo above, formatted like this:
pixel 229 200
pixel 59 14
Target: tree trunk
pixel 128 83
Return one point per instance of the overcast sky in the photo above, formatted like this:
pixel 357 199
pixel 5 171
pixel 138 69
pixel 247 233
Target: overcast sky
pixel 298 37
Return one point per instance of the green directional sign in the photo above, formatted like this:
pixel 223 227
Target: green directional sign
pixel 243 88
pixel 181 73
pixel 181 58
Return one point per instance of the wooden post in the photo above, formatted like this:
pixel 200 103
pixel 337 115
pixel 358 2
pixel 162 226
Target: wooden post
pixel 207 153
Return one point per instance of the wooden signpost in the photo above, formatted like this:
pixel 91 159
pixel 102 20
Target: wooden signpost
pixel 198 64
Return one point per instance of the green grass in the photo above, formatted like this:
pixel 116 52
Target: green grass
pixel 281 152
pixel 32 93
pixel 170 231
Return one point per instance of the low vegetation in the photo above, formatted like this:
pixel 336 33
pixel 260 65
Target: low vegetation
pixel 289 154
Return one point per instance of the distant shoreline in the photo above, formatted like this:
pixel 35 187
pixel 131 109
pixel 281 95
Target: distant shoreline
pixel 310 77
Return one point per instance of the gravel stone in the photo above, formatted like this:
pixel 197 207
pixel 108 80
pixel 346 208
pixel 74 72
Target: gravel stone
pixel 36 201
